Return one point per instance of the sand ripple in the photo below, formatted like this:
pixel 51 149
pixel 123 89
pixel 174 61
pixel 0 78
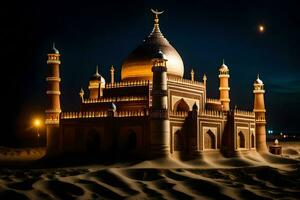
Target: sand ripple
pixel 119 183
pixel 214 177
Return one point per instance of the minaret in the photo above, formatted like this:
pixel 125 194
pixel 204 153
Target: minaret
pixel 112 74
pixel 204 79
pixel 204 83
pixel 260 118
pixel 81 94
pixel 159 118
pixel 224 86
pixel 53 109
pixel 53 90
pixel 192 75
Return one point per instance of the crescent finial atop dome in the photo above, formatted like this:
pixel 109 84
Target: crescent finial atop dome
pixel 156 12
pixel 156 31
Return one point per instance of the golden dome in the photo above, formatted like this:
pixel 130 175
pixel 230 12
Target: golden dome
pixel 138 65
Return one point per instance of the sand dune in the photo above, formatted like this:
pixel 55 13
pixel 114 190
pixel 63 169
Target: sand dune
pixel 249 176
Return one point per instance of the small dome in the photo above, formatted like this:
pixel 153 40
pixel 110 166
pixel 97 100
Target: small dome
pixel 81 93
pixel 258 81
pixel 223 67
pixel 112 107
pixel 97 77
pixel 54 49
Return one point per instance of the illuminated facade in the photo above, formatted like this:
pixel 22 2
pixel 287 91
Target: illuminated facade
pixel 153 111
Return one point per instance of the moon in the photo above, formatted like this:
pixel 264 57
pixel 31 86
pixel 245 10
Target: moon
pixel 157 12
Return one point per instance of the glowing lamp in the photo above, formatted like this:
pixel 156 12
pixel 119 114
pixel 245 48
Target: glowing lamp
pixel 37 123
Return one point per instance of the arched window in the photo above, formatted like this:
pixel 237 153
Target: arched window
pixel 181 105
pixel 178 141
pixel 252 140
pixel 209 140
pixel 131 141
pixel 93 141
pixel 241 140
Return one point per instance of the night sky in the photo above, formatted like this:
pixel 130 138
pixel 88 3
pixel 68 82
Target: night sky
pixel 105 32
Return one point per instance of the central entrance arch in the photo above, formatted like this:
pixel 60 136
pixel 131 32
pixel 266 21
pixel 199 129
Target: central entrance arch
pixel 127 142
pixel 252 141
pixel 93 142
pixel 131 141
pixel 241 140
pixel 178 141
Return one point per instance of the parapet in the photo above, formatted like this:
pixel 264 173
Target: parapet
pixel 185 81
pixel 244 113
pixel 75 115
pixel 132 113
pixel 212 113
pixel 214 101
pixel 99 114
pixel 178 114
pixel 127 84
pixel 116 99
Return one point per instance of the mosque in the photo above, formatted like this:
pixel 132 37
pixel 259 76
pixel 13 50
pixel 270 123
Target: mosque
pixel 153 111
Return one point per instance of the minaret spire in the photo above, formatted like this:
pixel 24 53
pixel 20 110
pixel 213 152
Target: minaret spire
pixel 97 71
pixel 156 31
pixel 112 74
pixel 192 75
pixel 55 50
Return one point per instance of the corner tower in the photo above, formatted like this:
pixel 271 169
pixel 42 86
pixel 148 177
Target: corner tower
pixel 53 89
pixel 159 118
pixel 260 115
pixel 53 108
pixel 224 86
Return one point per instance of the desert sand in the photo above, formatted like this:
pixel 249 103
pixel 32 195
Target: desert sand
pixel 251 176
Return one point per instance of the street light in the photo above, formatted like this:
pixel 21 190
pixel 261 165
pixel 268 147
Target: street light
pixel 37 124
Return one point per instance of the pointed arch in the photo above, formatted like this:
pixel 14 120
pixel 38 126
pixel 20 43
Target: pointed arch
pixel 252 141
pixel 93 141
pixel 209 140
pixel 241 140
pixel 181 105
pixel 131 141
pixel 178 141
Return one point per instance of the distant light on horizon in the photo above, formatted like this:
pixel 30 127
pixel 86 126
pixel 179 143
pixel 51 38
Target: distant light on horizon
pixel 261 28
